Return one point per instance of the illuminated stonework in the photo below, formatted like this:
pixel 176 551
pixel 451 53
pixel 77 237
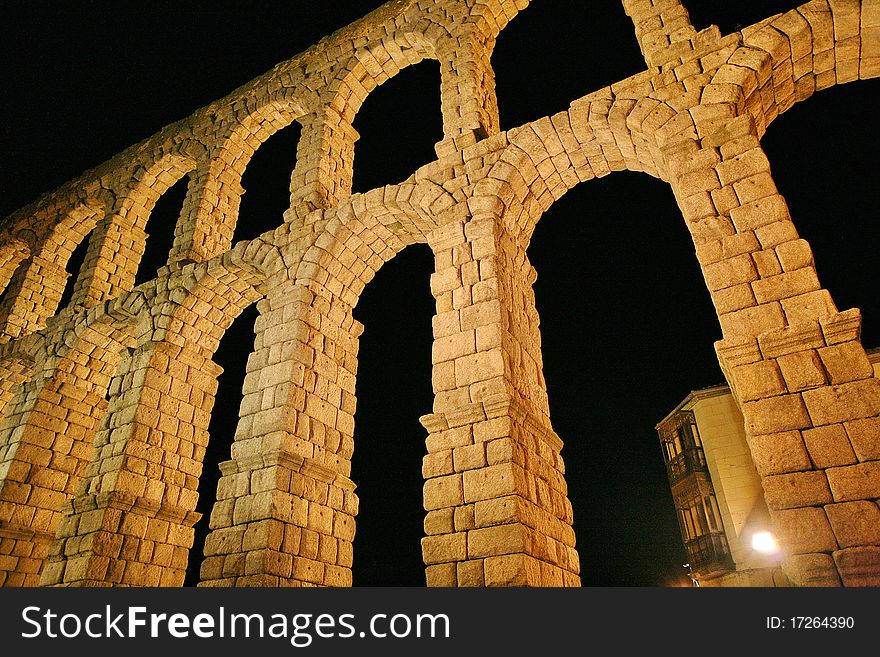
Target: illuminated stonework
pixel 122 513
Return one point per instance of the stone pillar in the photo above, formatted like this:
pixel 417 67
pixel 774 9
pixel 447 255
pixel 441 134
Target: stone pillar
pixel 285 504
pixel 663 29
pixel 32 296
pixel 210 210
pixel 324 158
pixel 467 86
pixel 794 362
pixel 130 523
pixel 111 262
pixel 45 444
pixel 495 493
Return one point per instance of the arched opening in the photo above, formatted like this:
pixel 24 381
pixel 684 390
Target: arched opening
pixel 35 291
pixel 823 158
pixel 393 391
pixel 558 51
pixel 399 124
pixel 74 267
pixel 160 231
pixel 266 183
pixel 627 329
pixel 733 16
pixel 231 355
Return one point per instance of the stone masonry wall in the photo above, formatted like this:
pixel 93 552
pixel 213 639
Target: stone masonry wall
pixel 106 402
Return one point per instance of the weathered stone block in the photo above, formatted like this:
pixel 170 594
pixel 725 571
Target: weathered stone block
pixel 758 380
pixel 804 530
pixel 501 539
pixel 443 491
pixel 855 523
pixel 802 370
pixel 855 482
pixel 463 517
pixel 439 521
pixel 490 482
pixel 444 548
pixel 798 489
pixel 498 511
pixel 753 321
pixel 776 414
pixel 507 570
pixel 859 566
pixel 808 307
pixel 848 401
pixel 829 446
pixel 784 286
pixel 846 362
pixel 865 437
pixel 441 575
pixel 470 573
pixel 811 570
pixel 469 457
pixel 778 453
pixel 795 254
pixel 757 214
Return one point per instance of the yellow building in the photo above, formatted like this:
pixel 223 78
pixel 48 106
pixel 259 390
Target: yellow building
pixel 717 491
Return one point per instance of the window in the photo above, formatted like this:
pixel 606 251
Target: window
pixel 682 447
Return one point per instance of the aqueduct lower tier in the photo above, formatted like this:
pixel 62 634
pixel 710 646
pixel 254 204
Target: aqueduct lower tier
pixel 106 401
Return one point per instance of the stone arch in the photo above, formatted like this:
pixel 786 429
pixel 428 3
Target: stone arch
pixel 374 64
pixel 46 438
pixel 774 313
pixel 491 413
pixel 787 58
pixel 149 450
pixel 118 244
pixel 325 155
pixel 209 218
pixel 298 408
pixel 601 133
pixel 35 290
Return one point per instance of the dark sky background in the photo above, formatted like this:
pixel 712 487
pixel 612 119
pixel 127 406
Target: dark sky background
pixel 626 322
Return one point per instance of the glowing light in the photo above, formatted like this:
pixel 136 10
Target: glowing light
pixel 765 542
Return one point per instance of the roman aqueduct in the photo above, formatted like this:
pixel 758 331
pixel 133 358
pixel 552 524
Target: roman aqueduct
pixel 106 401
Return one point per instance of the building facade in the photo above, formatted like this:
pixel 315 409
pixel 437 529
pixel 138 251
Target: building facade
pixel 719 501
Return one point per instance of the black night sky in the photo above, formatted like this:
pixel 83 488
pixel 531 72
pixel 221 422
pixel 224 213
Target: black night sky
pixel 626 322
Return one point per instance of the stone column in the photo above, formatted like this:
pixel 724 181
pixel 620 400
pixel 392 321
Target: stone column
pixel 210 210
pixel 495 493
pixel 130 523
pixel 324 158
pixel 111 262
pixel 663 28
pixel 285 504
pixel 794 362
pixel 467 86
pixel 32 296
pixel 45 444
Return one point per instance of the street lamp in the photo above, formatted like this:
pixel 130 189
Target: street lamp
pixel 765 542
